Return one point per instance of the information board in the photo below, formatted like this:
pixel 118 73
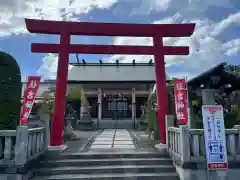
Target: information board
pixel 215 140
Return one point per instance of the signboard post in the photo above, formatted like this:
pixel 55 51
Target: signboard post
pixel 188 104
pixel 180 95
pixel 215 140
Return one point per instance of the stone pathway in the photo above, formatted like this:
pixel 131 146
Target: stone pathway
pixel 113 140
pixel 82 141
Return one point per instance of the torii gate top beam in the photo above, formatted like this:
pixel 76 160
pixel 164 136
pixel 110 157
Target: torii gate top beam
pixel 109 29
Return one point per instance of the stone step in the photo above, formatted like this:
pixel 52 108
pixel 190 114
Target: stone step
pixel 110 162
pixel 103 155
pixel 110 176
pixel 105 169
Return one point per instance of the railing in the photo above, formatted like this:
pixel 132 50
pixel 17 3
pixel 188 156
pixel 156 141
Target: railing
pixel 197 146
pixel 188 144
pixel 36 142
pixel 9 147
pixel 174 142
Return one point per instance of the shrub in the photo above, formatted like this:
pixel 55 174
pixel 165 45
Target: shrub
pixel 10 85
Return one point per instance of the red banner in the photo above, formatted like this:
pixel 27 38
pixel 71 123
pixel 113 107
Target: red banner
pixel 180 94
pixel 30 93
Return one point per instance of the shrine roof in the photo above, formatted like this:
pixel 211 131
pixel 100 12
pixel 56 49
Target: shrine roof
pixel 113 72
pixel 216 77
pixel 116 63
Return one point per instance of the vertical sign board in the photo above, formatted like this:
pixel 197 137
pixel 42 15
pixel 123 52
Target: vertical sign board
pixel 180 95
pixel 33 84
pixel 215 140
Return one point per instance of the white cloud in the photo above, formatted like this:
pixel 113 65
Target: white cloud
pixel 203 5
pixel 205 49
pixel 13 12
pixel 156 5
pixel 232 47
pixel 224 24
pixel 144 7
pixel 48 69
pixel 146 41
pixel 162 5
pixel 181 75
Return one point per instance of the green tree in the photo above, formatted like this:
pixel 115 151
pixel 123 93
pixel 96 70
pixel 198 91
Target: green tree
pixel 234 97
pixel 46 107
pixel 11 87
pixel 233 68
pixel 150 110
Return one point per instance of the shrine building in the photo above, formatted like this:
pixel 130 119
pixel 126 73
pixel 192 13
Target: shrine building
pixel 106 95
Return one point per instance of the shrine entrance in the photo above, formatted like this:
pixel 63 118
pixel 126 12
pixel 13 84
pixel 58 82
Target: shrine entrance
pixel 119 107
pixel 66 29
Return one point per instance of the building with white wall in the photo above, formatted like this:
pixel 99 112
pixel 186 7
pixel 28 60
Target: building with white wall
pixel 115 92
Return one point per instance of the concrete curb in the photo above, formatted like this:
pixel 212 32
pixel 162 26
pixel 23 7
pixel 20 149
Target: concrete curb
pixel 162 148
pixel 57 148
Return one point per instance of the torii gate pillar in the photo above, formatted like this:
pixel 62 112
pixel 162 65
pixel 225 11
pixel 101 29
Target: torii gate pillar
pixel 161 89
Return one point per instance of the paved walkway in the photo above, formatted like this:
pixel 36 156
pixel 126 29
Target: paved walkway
pixel 113 140
pixel 81 141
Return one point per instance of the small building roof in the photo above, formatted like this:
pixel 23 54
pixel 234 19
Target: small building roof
pixel 215 78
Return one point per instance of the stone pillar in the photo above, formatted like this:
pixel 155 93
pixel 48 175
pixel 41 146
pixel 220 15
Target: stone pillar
pixel 150 92
pixel 189 107
pixel 133 104
pixel 47 131
pixel 45 119
pixel 99 103
pixel 21 146
pixel 80 113
pixel 169 123
pixel 83 110
pixel 208 96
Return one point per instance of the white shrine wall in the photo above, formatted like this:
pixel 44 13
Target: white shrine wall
pixel 112 73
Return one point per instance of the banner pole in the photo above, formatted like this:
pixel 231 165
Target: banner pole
pixel 188 105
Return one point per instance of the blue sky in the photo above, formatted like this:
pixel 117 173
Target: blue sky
pixel 216 37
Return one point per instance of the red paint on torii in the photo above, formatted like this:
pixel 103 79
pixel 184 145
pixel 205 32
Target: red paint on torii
pixel 107 49
pixel 66 29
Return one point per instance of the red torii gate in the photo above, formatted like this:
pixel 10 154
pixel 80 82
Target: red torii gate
pixel 66 29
